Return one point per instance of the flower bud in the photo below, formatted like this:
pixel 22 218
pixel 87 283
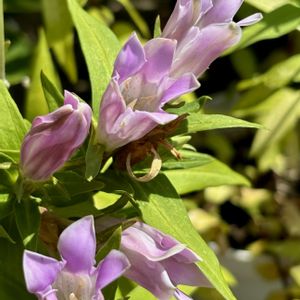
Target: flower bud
pixel 53 138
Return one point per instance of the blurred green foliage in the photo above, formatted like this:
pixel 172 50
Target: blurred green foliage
pixel 260 84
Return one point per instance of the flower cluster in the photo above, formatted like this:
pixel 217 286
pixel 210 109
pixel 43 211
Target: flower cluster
pixel 147 77
pixel 144 79
pixel 147 256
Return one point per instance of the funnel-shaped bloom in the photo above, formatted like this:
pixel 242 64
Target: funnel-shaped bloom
pixel 159 262
pixel 141 85
pixel 74 277
pixel 203 30
pixel 53 138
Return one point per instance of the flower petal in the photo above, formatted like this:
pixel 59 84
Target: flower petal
pixel 177 87
pixel 153 244
pixel 77 245
pixel 159 55
pixel 110 268
pixel 180 20
pixel 250 20
pixel 150 275
pixel 130 59
pixel 69 98
pixel 222 11
pixel 201 47
pixel 40 272
pixel 184 273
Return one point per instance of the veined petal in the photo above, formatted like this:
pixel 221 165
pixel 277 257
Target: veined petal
pixel 184 273
pixel 110 268
pixel 154 246
pixel 159 54
pixel 41 122
pixel 150 275
pixel 177 87
pixel 112 106
pixel 40 272
pixel 69 98
pixel 181 19
pixel 222 11
pixel 130 59
pixel 77 245
pixel 201 47
pixel 250 20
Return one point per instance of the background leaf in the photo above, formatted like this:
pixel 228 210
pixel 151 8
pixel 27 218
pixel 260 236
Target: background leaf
pixel 273 25
pixel 100 48
pixel 211 174
pixel 12 127
pixel 35 103
pixel 28 222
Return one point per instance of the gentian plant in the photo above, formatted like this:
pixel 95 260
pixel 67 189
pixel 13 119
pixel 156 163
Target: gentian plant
pixel 75 164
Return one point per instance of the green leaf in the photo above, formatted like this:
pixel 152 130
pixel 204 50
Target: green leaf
pixel 28 222
pixel 268 6
pixel 12 285
pixel 278 76
pixel 188 107
pixel 211 174
pixel 58 22
pixel 287 112
pixel 100 48
pixel 22 6
pixel 66 186
pixel 6 205
pixel 162 208
pixel 52 95
pixel 12 127
pixel 59 33
pixel 189 159
pixel 112 243
pixel 93 157
pixel 200 122
pixel 140 23
pixel 5 235
pixel 157 27
pixel 36 104
pixel 275 24
pixel 140 293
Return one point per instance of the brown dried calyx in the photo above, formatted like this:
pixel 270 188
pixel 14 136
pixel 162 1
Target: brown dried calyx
pixel 137 151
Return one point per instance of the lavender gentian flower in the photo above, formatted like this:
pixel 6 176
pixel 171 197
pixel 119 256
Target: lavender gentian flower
pixel 74 277
pixel 53 138
pixel 203 30
pixel 141 85
pixel 159 262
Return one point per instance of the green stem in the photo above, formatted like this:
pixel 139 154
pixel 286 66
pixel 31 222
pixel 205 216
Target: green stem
pixel 2 44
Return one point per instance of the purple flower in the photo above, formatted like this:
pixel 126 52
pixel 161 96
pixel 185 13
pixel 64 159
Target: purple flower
pixel 203 30
pixel 53 138
pixel 141 85
pixel 74 277
pixel 159 262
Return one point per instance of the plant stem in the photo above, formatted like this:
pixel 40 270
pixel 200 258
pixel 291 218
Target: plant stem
pixel 2 44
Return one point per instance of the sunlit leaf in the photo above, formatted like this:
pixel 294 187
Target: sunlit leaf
pixel 279 120
pixel 211 174
pixel 100 48
pixel 12 127
pixel 35 101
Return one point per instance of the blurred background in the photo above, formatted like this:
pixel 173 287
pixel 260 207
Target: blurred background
pixel 254 229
